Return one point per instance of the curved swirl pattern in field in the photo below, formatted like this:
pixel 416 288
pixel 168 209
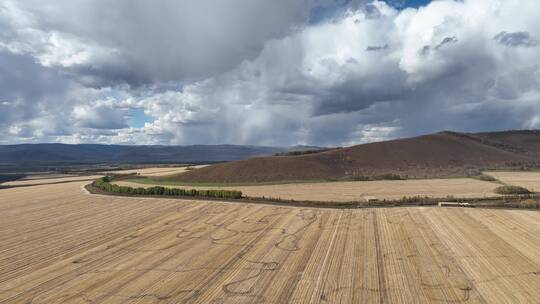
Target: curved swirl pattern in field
pixel 60 245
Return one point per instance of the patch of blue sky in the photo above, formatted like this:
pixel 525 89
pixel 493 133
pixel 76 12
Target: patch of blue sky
pixel 325 12
pixel 330 11
pixel 137 118
pixel 408 3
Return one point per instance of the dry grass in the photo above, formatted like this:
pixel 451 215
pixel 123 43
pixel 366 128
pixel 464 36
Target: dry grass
pixel 45 179
pixel 59 178
pixel 59 245
pixel 163 171
pixel 529 203
pixel 357 191
pixel 529 180
pixel 46 176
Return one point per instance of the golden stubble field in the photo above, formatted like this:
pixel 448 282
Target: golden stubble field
pixel 157 171
pixel 60 245
pixel 529 180
pixel 359 190
pixel 36 180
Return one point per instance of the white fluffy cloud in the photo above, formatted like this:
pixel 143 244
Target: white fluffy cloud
pixel 206 72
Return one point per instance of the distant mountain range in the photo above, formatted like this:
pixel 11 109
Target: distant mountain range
pixel 444 154
pixel 39 155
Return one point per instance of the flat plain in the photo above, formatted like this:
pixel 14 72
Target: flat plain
pixel 529 180
pixel 359 190
pixel 59 244
pixel 37 180
pixel 156 171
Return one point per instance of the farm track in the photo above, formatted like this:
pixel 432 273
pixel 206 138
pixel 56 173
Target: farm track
pixel 60 245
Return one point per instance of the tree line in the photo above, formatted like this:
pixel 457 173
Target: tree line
pixel 104 184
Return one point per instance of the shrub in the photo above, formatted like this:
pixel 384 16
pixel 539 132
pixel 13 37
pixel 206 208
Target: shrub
pixel 530 203
pixel 304 152
pixel 105 185
pixel 360 178
pixel 511 190
pixel 420 200
pixel 486 178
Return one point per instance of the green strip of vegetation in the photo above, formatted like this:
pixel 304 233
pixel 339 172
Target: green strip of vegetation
pixel 105 185
pixel 366 178
pixel 511 190
pixel 304 152
pixel 486 178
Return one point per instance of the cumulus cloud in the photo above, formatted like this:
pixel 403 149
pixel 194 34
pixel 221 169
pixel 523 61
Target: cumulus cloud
pixel 516 39
pixel 41 104
pixel 341 92
pixel 99 117
pixel 261 73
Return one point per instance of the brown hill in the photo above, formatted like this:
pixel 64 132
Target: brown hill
pixel 438 155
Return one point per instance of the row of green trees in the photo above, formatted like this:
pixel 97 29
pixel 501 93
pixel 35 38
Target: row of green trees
pixel 104 184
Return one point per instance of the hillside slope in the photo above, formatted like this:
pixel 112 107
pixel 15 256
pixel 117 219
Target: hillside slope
pixel 438 155
pixel 62 154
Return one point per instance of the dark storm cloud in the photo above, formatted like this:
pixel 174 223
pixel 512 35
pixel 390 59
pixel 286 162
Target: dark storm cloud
pixel 101 117
pixel 108 75
pixel 359 92
pixel 516 39
pixel 144 42
pixel 26 87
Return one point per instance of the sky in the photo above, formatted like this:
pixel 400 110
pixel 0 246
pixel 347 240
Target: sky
pixel 258 72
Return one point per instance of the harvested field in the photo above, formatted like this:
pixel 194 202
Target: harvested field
pixel 46 176
pixel 162 171
pixel 529 180
pixel 60 245
pixel 357 191
pixel 43 180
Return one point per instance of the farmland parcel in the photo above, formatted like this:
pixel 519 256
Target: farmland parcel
pixel 61 245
